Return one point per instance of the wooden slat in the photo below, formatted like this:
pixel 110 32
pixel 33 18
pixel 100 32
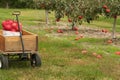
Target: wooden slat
pixel 2 42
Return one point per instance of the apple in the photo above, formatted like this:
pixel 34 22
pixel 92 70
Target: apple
pixel 84 51
pixel 76 32
pixel 10 21
pixel 58 19
pixel 80 17
pixel 94 54
pixel 105 31
pixel 81 36
pixel 3 23
pixel 69 20
pixel 60 31
pixel 99 56
pixel 7 27
pixel 109 41
pixel 105 6
pixel 75 28
pixel 115 16
pixel 13 30
pixel 118 52
pixel 107 10
pixel 15 26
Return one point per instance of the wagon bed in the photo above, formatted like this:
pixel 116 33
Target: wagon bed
pixel 12 44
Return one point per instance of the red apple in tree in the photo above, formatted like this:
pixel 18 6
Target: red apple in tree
pixel 105 6
pixel 80 17
pixel 115 16
pixel 58 19
pixel 107 10
pixel 69 20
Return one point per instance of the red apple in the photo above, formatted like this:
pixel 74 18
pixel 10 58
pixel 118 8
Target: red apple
pixel 7 27
pixel 115 16
pixel 13 30
pixel 94 54
pixel 75 28
pixel 80 17
pixel 84 51
pixel 107 10
pixel 69 20
pixel 15 26
pixel 118 52
pixel 58 19
pixel 105 31
pixel 99 56
pixel 76 32
pixel 77 38
pixel 81 36
pixel 60 31
pixel 105 6
pixel 109 41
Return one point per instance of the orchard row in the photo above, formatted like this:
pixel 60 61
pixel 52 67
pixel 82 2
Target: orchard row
pixel 75 10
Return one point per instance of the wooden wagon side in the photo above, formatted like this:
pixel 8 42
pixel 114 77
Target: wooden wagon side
pixel 12 44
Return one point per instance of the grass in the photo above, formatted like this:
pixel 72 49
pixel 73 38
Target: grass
pixel 61 55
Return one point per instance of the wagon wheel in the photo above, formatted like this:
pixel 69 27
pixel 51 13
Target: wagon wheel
pixel 35 60
pixel 3 62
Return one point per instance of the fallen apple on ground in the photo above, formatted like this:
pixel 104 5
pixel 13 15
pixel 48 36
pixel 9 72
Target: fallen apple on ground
pixel 60 31
pixel 84 51
pixel 118 52
pixel 99 56
pixel 94 54
pixel 109 41
pixel 76 32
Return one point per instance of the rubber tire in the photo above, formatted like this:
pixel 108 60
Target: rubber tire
pixel 4 62
pixel 35 60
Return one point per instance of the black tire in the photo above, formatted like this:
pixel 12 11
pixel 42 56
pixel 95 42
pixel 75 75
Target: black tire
pixel 3 62
pixel 35 60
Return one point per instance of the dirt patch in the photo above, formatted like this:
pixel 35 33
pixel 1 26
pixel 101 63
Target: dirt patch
pixel 88 32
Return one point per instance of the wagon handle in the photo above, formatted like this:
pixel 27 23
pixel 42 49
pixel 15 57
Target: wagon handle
pixel 16 13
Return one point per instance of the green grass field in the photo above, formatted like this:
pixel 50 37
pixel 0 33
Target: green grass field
pixel 61 55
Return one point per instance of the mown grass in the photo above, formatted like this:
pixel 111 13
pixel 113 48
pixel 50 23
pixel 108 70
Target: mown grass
pixel 61 55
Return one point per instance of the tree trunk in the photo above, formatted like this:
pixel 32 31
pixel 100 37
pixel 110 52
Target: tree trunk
pixel 46 14
pixel 7 5
pixel 114 27
pixel 73 25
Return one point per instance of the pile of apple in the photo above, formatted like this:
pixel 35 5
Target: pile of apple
pixel 11 25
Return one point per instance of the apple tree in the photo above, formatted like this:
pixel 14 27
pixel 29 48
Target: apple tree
pixel 77 10
pixel 111 9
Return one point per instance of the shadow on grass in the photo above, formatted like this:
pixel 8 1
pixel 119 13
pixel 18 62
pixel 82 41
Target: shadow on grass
pixel 19 64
